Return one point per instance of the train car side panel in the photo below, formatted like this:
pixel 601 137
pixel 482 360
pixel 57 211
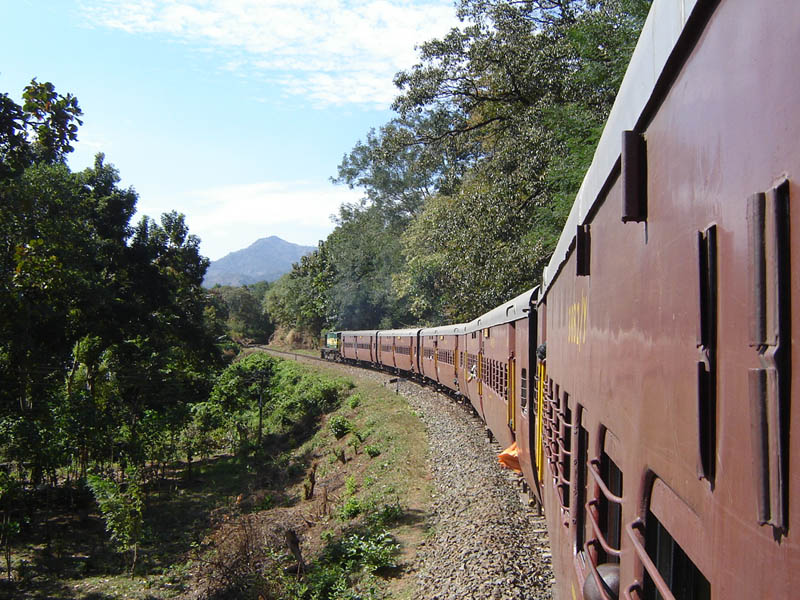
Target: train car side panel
pixel 668 420
pixel 498 344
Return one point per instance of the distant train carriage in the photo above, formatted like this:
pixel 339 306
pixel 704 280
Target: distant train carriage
pixel 439 350
pixel 497 368
pixel 397 349
pixel 360 346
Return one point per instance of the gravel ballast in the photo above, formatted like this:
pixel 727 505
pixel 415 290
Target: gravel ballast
pixel 486 543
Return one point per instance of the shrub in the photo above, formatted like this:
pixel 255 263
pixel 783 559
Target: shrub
pixel 264 503
pixel 374 550
pixel 121 510
pixel 386 515
pixel 372 450
pixel 355 401
pixel 351 508
pixel 340 455
pixel 339 426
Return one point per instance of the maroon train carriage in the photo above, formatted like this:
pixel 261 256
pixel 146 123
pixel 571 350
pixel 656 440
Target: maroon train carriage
pixel 668 311
pixel 471 382
pixel 360 346
pixel 497 355
pixel 397 350
pixel 440 348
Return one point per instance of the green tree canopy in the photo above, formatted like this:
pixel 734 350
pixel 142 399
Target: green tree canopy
pixel 100 321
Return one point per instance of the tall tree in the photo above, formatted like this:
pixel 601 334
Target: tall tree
pixel 530 84
pixel 245 318
pixel 99 321
pixel 300 300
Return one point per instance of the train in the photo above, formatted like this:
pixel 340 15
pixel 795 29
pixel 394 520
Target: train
pixel 648 382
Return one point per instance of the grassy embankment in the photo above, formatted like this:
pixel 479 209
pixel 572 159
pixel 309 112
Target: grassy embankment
pixel 224 525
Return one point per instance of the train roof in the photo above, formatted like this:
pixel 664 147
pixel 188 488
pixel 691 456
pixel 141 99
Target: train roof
pixel 456 329
pixel 663 28
pixel 362 332
pixel 513 310
pixel 398 332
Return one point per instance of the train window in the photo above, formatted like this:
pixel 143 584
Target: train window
pixel 771 276
pixel 523 389
pixel 581 477
pixel 582 250
pixel 474 334
pixel 706 369
pixel 565 436
pixel 610 512
pixel 486 332
pixel 683 578
pixel 634 177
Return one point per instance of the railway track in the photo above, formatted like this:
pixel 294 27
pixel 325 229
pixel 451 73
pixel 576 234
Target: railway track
pixel 486 540
pixel 294 355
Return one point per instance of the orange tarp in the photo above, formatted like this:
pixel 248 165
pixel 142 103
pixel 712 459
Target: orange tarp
pixel 509 458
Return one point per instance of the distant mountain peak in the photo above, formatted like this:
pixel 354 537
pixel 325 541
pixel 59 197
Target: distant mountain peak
pixel 266 259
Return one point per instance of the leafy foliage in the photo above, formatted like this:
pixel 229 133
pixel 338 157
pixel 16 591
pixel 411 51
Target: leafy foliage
pixel 339 426
pixel 292 399
pixel 121 509
pixel 467 188
pixel 9 520
pixel 105 342
pixel 530 85
pixel 240 312
pixel 372 450
pixel 299 300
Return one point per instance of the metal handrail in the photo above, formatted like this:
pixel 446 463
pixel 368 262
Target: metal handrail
pixel 601 585
pixel 598 532
pixel 594 469
pixel 648 564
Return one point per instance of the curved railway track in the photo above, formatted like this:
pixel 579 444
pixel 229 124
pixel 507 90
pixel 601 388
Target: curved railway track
pixel 486 541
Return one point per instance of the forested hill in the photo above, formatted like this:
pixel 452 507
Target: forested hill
pixel 264 260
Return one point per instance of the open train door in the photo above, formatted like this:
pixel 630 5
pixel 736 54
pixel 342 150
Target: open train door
pixel 526 376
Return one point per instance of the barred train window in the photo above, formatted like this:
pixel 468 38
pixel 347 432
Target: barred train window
pixel 581 479
pixel 523 388
pixel 679 572
pixel 565 434
pixel 610 512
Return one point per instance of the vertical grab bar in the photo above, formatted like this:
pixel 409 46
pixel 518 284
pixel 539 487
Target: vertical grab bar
pixel 648 564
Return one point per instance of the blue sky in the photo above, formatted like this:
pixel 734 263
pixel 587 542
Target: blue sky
pixel 233 112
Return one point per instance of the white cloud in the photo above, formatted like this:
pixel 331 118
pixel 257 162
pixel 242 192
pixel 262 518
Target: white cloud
pixel 231 217
pixel 335 51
